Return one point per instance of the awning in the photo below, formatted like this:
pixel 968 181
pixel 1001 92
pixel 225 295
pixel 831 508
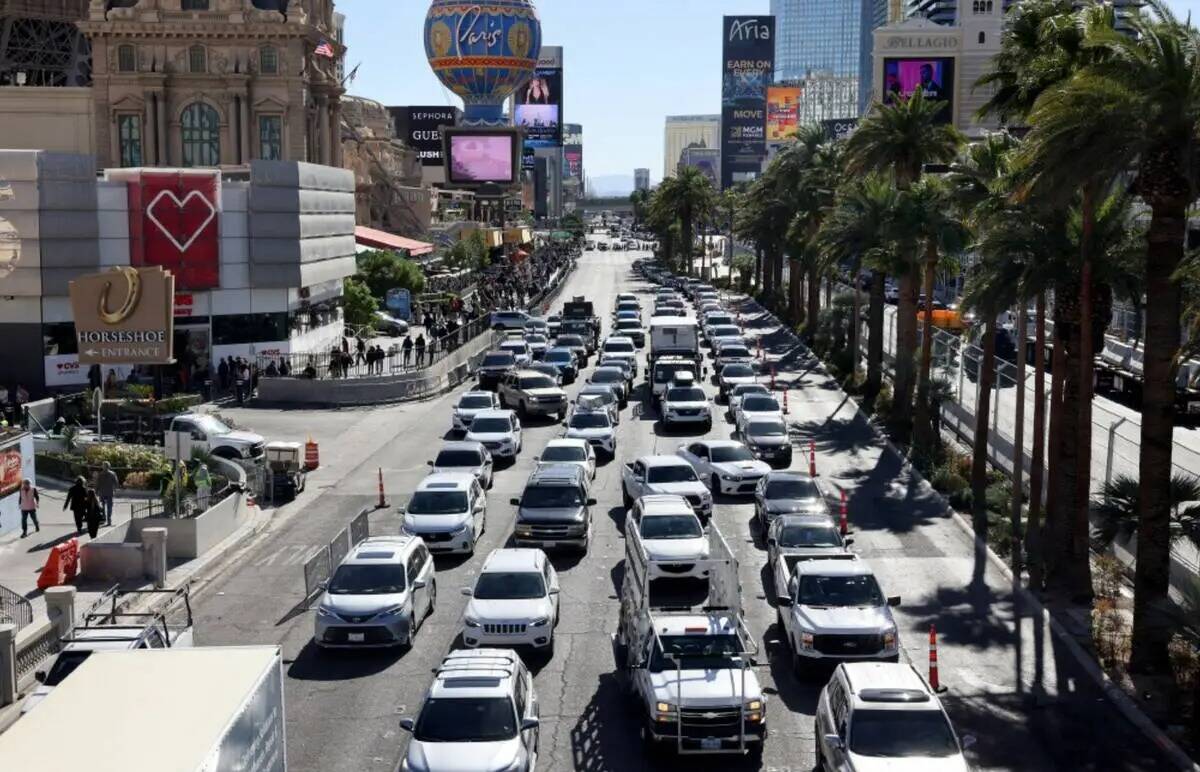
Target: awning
pixel 383 240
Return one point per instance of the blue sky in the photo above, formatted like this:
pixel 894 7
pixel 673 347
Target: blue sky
pixel 628 64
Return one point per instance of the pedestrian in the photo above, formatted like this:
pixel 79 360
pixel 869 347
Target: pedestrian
pixel 408 347
pixel 420 345
pixel 360 352
pixel 77 502
pixel 223 373
pixel 110 381
pixel 335 363
pixel 29 499
pixel 284 370
pixel 92 513
pixel 93 376
pixel 203 486
pixel 106 489
pixel 272 370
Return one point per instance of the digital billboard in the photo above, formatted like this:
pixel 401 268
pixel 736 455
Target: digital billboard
pixel 747 69
pixel 783 112
pixel 538 106
pixel 572 162
pixel 933 75
pixel 706 159
pixel 421 129
pixel 481 156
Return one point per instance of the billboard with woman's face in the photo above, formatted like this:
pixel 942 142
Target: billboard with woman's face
pixel 933 75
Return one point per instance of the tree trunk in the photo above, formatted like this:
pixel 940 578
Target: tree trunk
pixel 1033 532
pixel 1151 630
pixel 777 280
pixel 1062 574
pixel 923 421
pixel 855 323
pixel 794 289
pixel 906 349
pixel 1081 528
pixel 768 274
pixel 814 303
pixel 1018 479
pixel 979 476
pixel 685 228
pixel 875 337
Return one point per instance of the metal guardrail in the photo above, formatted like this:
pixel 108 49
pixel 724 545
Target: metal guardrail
pixel 37 650
pixel 319 567
pixel 14 608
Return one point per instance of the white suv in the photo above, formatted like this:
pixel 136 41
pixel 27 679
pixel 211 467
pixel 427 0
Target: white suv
pixel 686 403
pixel 469 405
pixel 671 535
pixel 514 602
pixel 883 716
pixel 497 430
pixel 448 511
pixel 480 713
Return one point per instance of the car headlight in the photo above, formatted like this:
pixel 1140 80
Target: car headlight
pixel 889 638
pixel 391 612
pixel 664 711
pixel 754 711
pixel 472 622
pixel 460 529
pixel 539 622
pixel 806 641
pixel 728 477
pixel 325 612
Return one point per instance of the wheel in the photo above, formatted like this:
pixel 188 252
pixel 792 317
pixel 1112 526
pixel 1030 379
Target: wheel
pixel 548 652
pixel 413 626
pixel 708 425
pixel 799 666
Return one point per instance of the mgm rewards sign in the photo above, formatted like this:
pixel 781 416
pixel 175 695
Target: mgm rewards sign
pixel 124 316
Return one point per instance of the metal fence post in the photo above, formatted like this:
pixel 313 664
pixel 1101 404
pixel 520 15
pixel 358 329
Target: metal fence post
pixel 8 664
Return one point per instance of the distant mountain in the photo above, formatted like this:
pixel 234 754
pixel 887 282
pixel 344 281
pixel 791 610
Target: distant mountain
pixel 610 185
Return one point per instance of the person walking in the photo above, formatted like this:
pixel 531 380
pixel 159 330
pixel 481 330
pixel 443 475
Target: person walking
pixel 92 513
pixel 420 345
pixel 77 502
pixel 408 347
pixel 29 499
pixel 106 489
pixel 360 352
pixel 203 486
pixel 223 373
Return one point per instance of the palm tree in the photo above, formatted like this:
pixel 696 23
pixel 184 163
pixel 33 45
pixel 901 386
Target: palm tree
pixel 638 199
pixel 689 194
pixel 1137 106
pixel 902 138
pixel 1119 504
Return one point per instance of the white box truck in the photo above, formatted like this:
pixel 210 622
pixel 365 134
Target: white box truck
pixel 674 336
pixel 208 709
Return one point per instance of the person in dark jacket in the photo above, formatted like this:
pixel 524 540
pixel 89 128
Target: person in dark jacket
pixel 77 502
pixel 420 350
pixel 92 512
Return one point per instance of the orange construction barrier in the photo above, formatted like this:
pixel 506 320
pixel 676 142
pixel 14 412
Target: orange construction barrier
pixel 312 455
pixel 933 665
pixel 843 516
pixel 61 566
pixel 382 499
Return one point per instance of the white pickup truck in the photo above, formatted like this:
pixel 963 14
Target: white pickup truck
pixel 665 474
pixel 207 433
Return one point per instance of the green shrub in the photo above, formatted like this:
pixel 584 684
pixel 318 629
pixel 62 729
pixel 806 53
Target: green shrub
pixel 883 402
pixel 948 482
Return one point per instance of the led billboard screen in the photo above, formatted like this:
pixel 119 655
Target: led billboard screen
pixel 747 68
pixel 538 106
pixel 477 156
pixel 933 75
pixel 783 112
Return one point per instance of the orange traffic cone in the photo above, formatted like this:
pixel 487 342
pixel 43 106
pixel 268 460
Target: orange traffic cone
pixel 843 516
pixel 382 498
pixel 312 455
pixel 933 662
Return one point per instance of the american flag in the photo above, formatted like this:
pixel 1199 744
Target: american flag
pixel 324 49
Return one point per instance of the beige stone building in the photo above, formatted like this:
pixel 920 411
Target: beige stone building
pixel 214 82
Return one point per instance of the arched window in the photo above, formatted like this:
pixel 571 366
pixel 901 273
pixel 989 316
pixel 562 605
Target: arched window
pixel 982 38
pixel 268 60
pixel 197 59
pixel 201 130
pixel 989 6
pixel 126 58
pixel 975 7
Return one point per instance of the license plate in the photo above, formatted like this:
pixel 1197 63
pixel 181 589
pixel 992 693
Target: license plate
pixel 356 637
pixel 549 545
pixel 710 744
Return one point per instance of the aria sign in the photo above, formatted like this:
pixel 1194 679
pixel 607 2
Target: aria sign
pixel 124 316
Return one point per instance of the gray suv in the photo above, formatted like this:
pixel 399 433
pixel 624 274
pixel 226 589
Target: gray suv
pixel 533 393
pixel 555 509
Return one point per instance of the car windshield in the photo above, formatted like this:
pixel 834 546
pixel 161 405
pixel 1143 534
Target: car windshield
pixel 590 421
pixel 569 340
pixel 618 347
pixel 510 585
pixel 689 394
pixel 738 371
pixel 809 536
pixel 535 338
pixel 608 375
pixel 558 356
pixel 437 503
pixel 759 403
pixel 367 579
pixel 466 719
pixel 767 429
pixel 895 734
pixel 671 527
pixel 792 489
pixel 673 473
pixel 551 497
pixel 840 591
pixel 211 426
pixel 564 453
pixel 743 390
pixel 629 324
pixel 724 320
pixel 452 458
pixel 491 426
pixel 499 360
pixel 723 455
pixel 541 382
pixel 65 665
pixel 734 351
pixel 475 402
pixel 709 652
pixel 725 331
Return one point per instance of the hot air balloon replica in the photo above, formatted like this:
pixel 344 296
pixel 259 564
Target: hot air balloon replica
pixel 483 52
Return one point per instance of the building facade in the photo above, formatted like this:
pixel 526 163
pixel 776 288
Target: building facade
pixel 641 179
pixel 822 43
pixel 202 83
pixel 683 131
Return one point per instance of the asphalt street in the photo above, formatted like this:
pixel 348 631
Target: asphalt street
pixel 343 708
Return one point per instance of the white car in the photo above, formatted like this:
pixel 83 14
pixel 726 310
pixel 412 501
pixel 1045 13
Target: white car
pixel 732 353
pixel 514 602
pixel 464 458
pixel 497 430
pixel 756 406
pixel 577 452
pixel 732 376
pixel 717 333
pixel 671 535
pixel 685 404
pixel 470 405
pixel 792 539
pixel 448 511
pixel 665 474
pixel 728 466
pixel 620 347
pixel 596 427
pixel 738 392
pixel 519 349
pixel 538 344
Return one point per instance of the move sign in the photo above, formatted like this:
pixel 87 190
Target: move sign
pixel 124 316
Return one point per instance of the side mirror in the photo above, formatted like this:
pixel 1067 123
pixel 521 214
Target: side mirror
pixel 407 724
pixel 554 591
pixel 537 458
pixel 40 676
pixel 833 741
pixel 847 542
pixel 968 740
pixel 468 591
pixel 894 600
pixel 515 502
pixel 530 723
pixel 429 463
pixel 784 600
pixel 419 584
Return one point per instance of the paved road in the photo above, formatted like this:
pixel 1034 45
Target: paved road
pixel 343 708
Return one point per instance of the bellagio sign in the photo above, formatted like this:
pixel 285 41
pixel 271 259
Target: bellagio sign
pixel 124 316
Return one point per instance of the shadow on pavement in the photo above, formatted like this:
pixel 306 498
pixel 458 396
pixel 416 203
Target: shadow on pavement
pixel 315 664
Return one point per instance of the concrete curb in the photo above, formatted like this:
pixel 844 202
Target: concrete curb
pixel 1124 704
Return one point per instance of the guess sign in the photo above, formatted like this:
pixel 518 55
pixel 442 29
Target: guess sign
pixel 173 223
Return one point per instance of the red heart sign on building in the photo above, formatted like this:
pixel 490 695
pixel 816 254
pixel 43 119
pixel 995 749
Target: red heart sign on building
pixel 174 223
